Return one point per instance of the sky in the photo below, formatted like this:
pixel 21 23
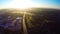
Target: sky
pixel 29 3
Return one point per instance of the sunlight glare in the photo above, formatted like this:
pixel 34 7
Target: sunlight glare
pixel 22 4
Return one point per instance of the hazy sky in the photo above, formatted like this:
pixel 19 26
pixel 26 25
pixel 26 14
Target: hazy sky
pixel 29 3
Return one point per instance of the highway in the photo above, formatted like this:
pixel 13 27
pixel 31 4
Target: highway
pixel 24 25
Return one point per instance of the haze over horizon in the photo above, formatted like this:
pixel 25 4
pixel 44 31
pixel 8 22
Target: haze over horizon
pixel 22 4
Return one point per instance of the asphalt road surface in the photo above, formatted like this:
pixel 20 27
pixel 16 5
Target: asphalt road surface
pixel 24 25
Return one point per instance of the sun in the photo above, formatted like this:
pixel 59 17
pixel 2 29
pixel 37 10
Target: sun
pixel 22 4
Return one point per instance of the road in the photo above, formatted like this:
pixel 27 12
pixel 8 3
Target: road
pixel 24 25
